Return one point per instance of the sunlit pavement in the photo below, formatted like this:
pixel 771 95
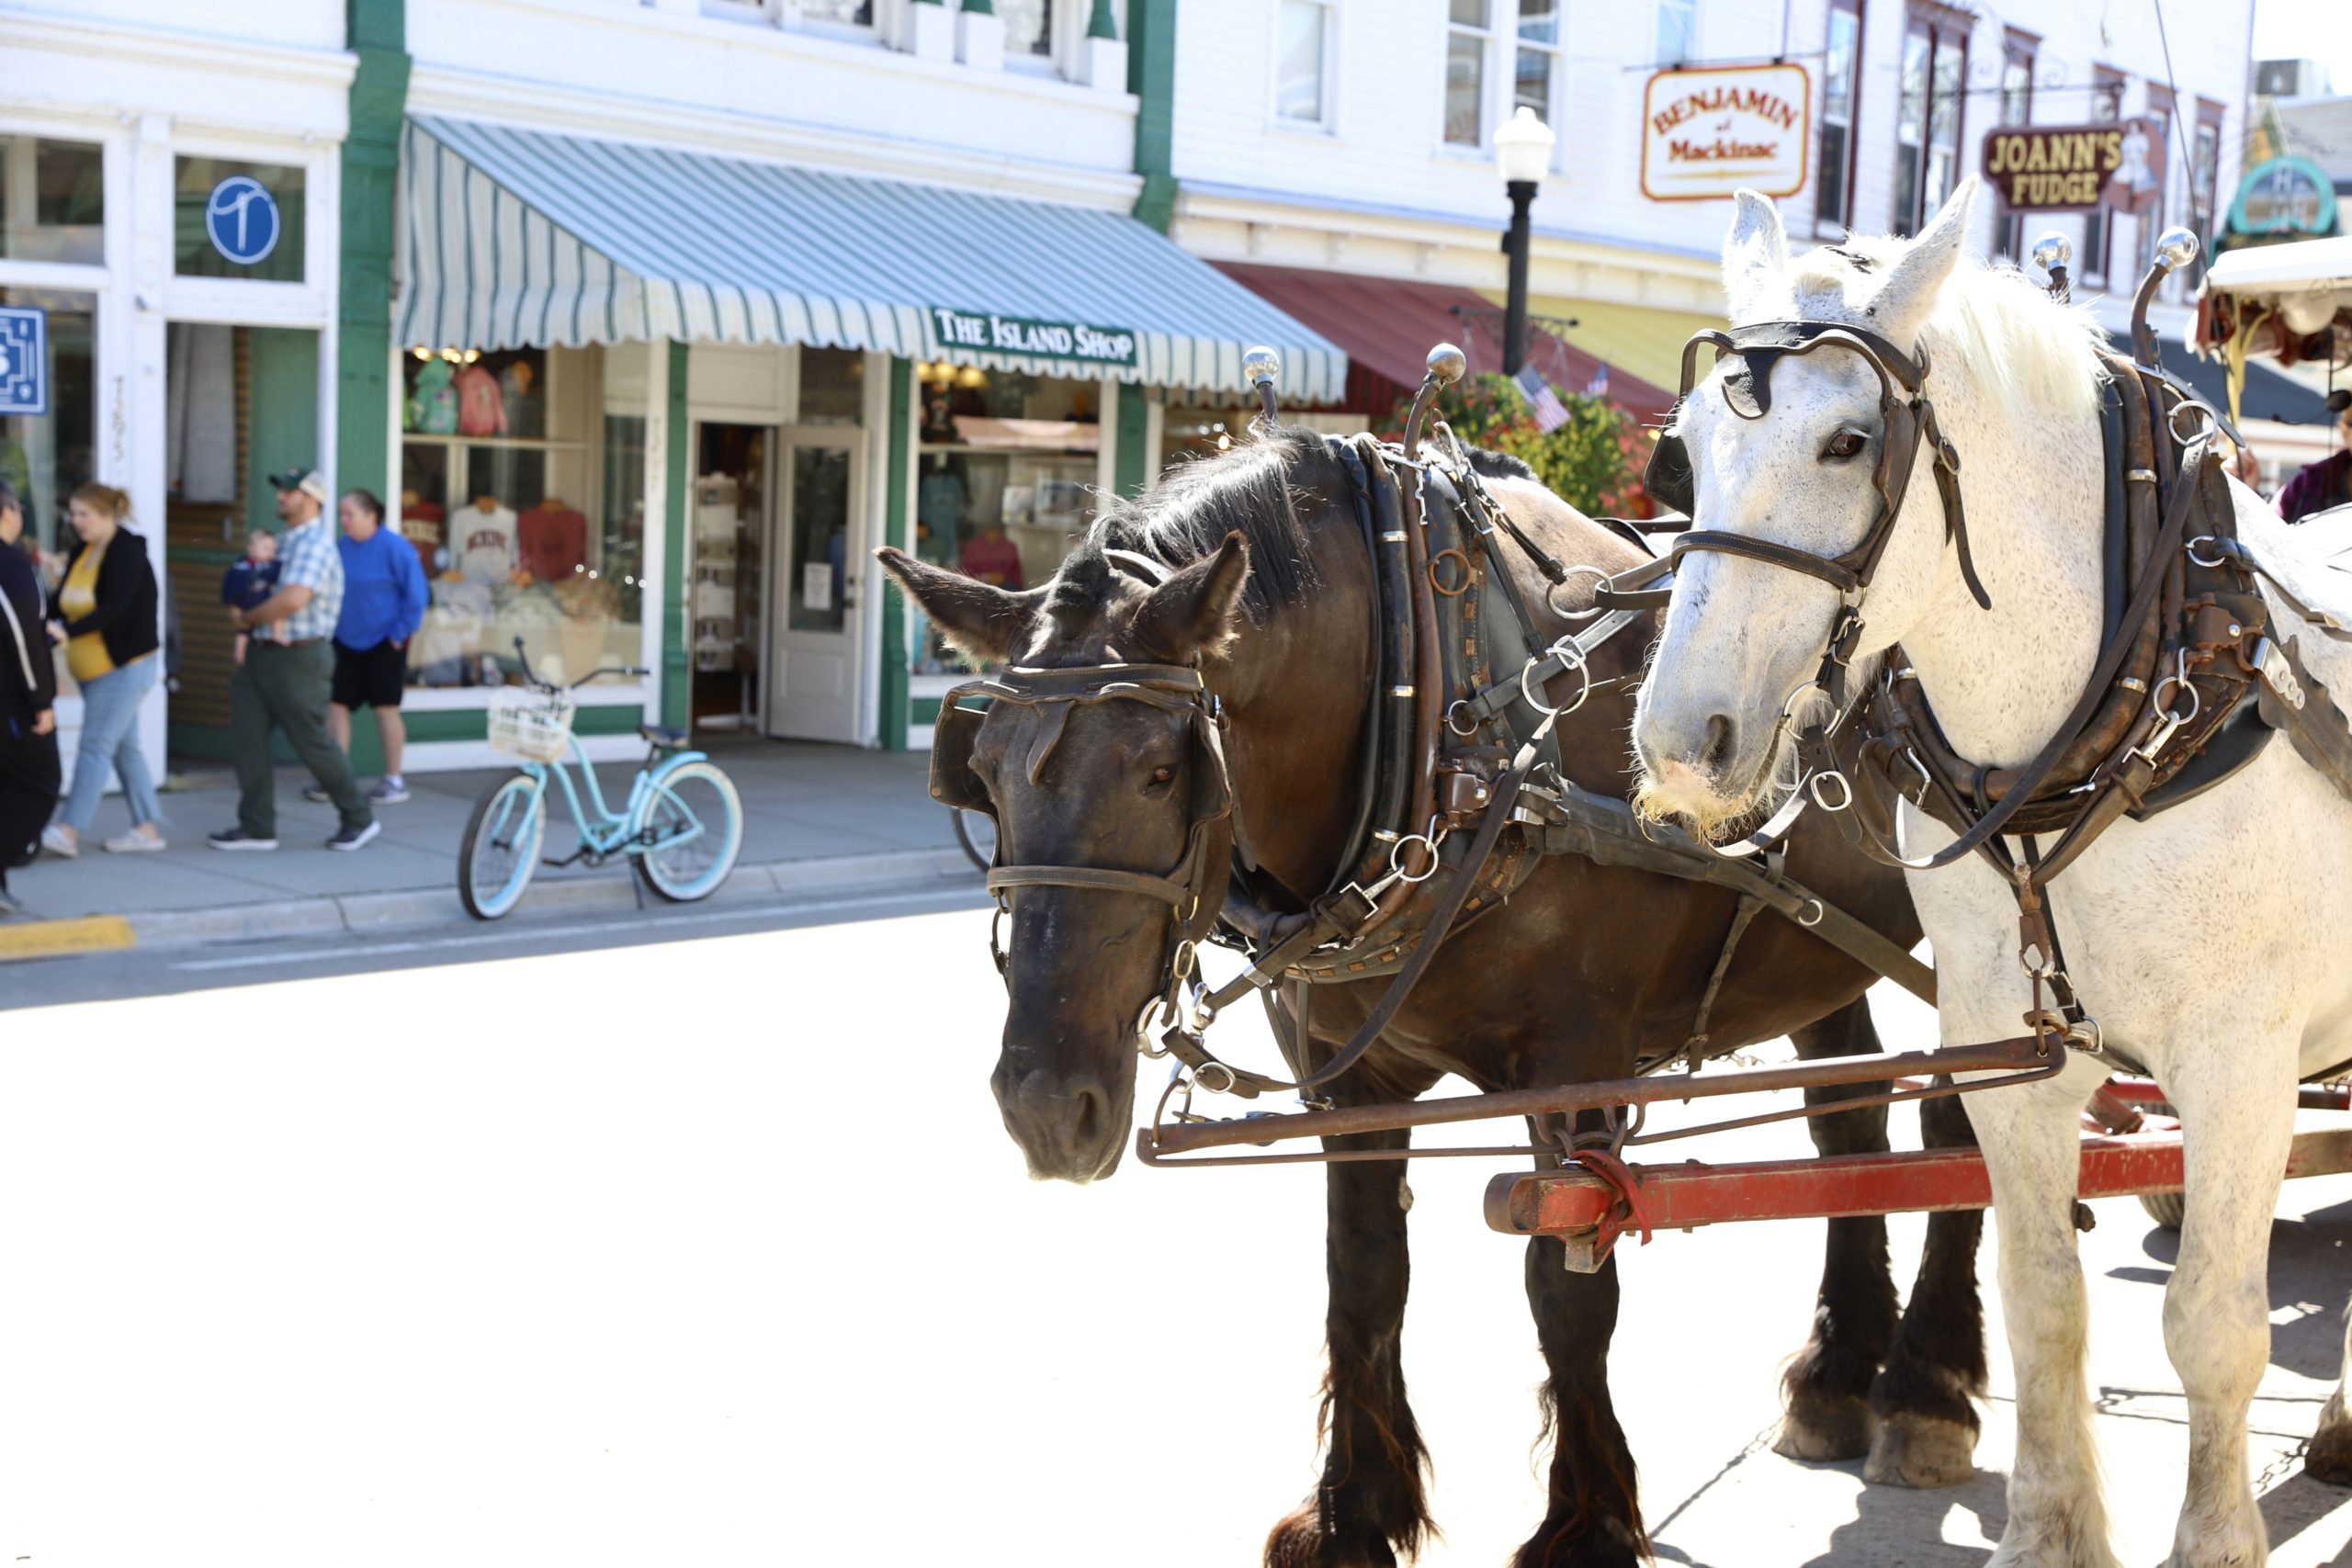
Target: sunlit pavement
pixel 713 1251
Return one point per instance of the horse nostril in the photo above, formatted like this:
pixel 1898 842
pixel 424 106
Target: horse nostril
pixel 1714 754
pixel 1093 1109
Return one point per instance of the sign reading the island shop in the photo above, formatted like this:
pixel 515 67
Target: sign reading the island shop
pixel 990 332
pixel 1706 132
pixel 2055 168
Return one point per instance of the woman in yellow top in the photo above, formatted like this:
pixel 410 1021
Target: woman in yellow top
pixel 108 618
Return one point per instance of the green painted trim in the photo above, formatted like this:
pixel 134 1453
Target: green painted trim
pixel 378 30
pixel 1101 24
pixel 1131 465
pixel 978 7
pixel 285 416
pixel 898 527
pixel 926 710
pixel 1152 77
pixel 677 675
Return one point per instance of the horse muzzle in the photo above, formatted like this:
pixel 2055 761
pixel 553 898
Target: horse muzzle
pixel 1071 1127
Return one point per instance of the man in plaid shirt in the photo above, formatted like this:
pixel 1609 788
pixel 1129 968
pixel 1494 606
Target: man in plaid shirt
pixel 287 675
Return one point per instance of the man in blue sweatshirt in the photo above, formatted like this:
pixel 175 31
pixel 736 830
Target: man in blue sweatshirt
pixel 383 604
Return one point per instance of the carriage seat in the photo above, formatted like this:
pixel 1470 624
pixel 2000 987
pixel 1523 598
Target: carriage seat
pixel 667 737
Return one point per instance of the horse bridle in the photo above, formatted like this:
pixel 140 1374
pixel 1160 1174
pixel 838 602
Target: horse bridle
pixel 1186 888
pixel 1908 426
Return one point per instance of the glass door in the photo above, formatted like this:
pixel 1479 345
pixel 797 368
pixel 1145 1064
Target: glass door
pixel 812 684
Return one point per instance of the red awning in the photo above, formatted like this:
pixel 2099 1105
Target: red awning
pixel 1388 328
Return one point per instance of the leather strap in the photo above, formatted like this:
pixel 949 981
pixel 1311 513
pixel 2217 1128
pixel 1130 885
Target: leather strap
pixel 1175 895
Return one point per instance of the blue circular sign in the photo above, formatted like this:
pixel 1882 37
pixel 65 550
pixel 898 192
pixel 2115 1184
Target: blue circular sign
pixel 241 217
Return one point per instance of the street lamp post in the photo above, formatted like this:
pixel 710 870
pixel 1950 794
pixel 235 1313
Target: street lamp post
pixel 1523 149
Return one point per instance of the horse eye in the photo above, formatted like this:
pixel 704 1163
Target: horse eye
pixel 1845 443
pixel 1163 775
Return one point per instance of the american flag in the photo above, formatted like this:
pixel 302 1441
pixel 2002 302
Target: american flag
pixel 1599 386
pixel 1550 411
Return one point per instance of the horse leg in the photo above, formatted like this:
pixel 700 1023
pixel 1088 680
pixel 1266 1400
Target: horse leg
pixel 2237 1120
pixel 1369 1508
pixel 1594 1518
pixel 1925 1395
pixel 2329 1456
pixel 1824 1409
pixel 2034 1152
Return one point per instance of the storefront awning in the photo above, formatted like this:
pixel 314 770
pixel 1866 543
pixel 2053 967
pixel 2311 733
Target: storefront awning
pixel 1390 325
pixel 1644 340
pixel 519 238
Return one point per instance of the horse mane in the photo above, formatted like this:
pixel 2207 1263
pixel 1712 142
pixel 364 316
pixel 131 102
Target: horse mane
pixel 1253 489
pixel 1993 318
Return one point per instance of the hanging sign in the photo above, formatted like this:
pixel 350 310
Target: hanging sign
pixel 1034 337
pixel 24 360
pixel 2288 197
pixel 2116 164
pixel 241 220
pixel 1709 132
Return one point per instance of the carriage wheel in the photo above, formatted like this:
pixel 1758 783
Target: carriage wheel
pixel 2165 1207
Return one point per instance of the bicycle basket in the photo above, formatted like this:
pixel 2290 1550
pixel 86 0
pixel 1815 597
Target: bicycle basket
pixel 533 725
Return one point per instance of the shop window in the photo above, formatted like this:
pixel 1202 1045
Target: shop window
pixel 2017 109
pixel 1927 119
pixel 1537 58
pixel 1678 31
pixel 52 200
pixel 233 219
pixel 1465 73
pixel 42 458
pixel 1007 483
pixel 1841 86
pixel 833 386
pixel 1028 26
pixel 2205 176
pixel 2098 225
pixel 505 458
pixel 1302 62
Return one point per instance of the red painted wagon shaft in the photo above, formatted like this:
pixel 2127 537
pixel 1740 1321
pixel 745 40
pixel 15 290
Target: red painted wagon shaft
pixel 2311 1096
pixel 2022 1055
pixel 1840 1186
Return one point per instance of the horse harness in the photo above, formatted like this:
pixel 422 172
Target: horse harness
pixel 2188 687
pixel 1459 789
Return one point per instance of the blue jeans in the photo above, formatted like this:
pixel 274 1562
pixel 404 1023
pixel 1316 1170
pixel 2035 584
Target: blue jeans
pixel 110 740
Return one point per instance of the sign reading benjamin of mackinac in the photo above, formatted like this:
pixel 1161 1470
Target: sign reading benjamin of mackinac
pixel 1074 341
pixel 2118 164
pixel 1708 131
pixel 24 360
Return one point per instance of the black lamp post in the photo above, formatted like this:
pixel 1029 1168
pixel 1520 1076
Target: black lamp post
pixel 1523 149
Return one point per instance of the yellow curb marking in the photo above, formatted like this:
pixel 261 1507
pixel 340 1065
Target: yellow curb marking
pixel 52 938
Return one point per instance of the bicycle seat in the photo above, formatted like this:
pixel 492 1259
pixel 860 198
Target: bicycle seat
pixel 664 734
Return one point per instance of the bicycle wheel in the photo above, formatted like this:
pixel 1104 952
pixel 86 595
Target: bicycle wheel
pixel 975 830
pixel 501 849
pixel 696 821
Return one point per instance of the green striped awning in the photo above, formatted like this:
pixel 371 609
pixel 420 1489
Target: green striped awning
pixel 518 238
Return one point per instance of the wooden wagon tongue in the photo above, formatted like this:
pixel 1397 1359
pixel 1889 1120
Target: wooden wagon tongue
pixel 2023 1060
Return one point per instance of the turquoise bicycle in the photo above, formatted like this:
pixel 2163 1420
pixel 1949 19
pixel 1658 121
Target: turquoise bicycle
pixel 682 825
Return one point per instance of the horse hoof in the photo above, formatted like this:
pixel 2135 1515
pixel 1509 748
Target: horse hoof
pixel 1922 1451
pixel 1824 1430
pixel 2329 1458
pixel 1298 1541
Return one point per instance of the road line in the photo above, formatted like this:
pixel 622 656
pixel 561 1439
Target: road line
pixel 55 938
pixel 360 947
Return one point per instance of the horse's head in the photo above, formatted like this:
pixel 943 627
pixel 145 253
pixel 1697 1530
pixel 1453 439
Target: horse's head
pixel 1793 447
pixel 1085 770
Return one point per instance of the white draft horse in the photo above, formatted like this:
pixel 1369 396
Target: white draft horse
pixel 2209 941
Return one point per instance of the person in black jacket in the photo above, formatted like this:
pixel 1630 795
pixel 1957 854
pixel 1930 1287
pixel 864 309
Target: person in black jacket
pixel 28 771
pixel 108 618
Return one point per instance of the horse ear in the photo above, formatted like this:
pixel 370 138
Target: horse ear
pixel 1196 612
pixel 1756 255
pixel 1902 305
pixel 976 618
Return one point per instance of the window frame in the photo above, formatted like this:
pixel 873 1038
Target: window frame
pixel 1500 44
pixel 1827 226
pixel 1659 62
pixel 2205 195
pixel 1327 123
pixel 1477 147
pixel 1942 27
pixel 1557 49
pixel 2017 47
pixel 2109 85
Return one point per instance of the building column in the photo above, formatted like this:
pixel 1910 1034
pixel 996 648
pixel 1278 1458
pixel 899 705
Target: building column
pixel 898 528
pixel 665 452
pixel 378 30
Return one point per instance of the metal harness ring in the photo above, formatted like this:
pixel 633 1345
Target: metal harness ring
pixel 1570 654
pixel 2204 539
pixel 1462 704
pixel 1429 841
pixel 2204 410
pixel 1551 594
pixel 1845 788
pixel 1461 587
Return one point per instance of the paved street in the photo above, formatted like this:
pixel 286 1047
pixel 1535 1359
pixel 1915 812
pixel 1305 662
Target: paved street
pixel 700 1243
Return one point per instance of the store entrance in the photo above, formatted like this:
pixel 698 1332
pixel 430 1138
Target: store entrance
pixel 813 655
pixel 730 527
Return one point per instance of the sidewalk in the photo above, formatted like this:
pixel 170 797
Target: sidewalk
pixel 814 816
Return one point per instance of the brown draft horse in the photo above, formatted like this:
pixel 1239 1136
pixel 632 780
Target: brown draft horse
pixel 1585 970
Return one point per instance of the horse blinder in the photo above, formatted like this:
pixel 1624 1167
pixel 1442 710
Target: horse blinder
pixel 952 783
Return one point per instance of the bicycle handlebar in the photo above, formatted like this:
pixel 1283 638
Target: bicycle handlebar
pixel 532 676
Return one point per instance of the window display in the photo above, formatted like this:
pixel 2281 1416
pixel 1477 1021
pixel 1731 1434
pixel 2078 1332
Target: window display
pixel 216 202
pixel 1006 477
pixel 500 474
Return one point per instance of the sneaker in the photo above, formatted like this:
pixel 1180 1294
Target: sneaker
pixel 8 905
pixel 389 791
pixel 134 842
pixel 238 839
pixel 355 838
pixel 53 841
pixel 316 795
